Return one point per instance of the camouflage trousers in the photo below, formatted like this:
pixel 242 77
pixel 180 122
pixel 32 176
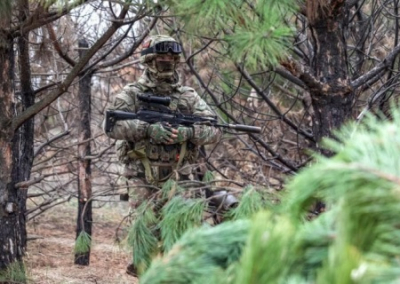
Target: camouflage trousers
pixel 138 189
pixel 135 190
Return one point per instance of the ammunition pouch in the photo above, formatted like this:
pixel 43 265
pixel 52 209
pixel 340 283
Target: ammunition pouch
pixel 159 161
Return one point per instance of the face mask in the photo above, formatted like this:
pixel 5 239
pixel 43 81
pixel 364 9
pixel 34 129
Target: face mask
pixel 165 66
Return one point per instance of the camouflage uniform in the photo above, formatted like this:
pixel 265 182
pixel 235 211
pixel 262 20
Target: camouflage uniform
pixel 145 163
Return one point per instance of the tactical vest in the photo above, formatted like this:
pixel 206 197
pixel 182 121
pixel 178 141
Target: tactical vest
pixel 158 162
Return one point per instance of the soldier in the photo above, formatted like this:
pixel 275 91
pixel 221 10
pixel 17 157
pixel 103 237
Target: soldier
pixel 150 154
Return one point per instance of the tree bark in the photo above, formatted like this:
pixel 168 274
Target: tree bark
pixel 16 154
pixel 12 208
pixel 333 98
pixel 84 220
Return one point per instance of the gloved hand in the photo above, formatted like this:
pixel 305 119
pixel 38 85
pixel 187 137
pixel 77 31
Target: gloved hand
pixel 182 134
pixel 160 134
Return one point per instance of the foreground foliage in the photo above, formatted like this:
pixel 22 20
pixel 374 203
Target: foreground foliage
pixel 355 241
pixel 172 212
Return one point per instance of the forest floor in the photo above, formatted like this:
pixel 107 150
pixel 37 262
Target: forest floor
pixel 50 257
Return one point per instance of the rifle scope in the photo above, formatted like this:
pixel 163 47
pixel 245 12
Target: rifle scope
pixel 154 99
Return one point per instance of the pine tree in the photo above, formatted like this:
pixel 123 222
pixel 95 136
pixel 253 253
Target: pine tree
pixel 256 32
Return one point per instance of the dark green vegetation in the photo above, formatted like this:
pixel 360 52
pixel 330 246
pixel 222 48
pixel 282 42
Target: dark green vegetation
pixel 357 240
pixel 156 229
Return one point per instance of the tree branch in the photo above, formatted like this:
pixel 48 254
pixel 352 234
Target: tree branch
pixel 57 46
pixel 63 87
pixel 254 137
pixel 38 150
pixel 42 17
pixel 377 70
pixel 262 94
pixel 28 183
pixel 131 50
pixel 305 75
pixel 285 74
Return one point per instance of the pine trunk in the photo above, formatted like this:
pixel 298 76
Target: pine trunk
pixel 84 220
pixel 12 201
pixel 333 100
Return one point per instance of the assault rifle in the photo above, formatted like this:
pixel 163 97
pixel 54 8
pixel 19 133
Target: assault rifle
pixel 165 115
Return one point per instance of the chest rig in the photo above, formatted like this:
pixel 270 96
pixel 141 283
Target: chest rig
pixel 161 161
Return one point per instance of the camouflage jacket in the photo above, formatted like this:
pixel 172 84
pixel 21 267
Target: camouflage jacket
pixel 132 134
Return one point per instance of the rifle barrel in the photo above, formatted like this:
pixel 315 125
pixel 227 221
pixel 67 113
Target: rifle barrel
pixel 242 127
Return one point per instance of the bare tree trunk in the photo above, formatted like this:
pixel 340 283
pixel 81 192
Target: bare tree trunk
pixel 16 154
pixel 23 141
pixel 12 201
pixel 84 220
pixel 333 98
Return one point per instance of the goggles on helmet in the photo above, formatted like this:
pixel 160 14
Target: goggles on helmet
pixel 163 47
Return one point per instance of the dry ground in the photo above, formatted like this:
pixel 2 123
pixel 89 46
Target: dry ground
pixel 50 257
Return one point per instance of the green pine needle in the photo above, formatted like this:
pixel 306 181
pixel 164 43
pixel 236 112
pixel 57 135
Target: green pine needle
pixel 178 216
pixel 142 238
pixel 257 32
pixel 144 244
pixel 269 253
pixel 83 243
pixel 251 202
pixel 314 239
pixel 171 188
pixel 199 253
pixel 168 186
pixel 362 183
pixel 356 241
pixel 208 176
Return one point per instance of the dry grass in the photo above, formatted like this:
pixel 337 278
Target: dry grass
pixel 50 257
